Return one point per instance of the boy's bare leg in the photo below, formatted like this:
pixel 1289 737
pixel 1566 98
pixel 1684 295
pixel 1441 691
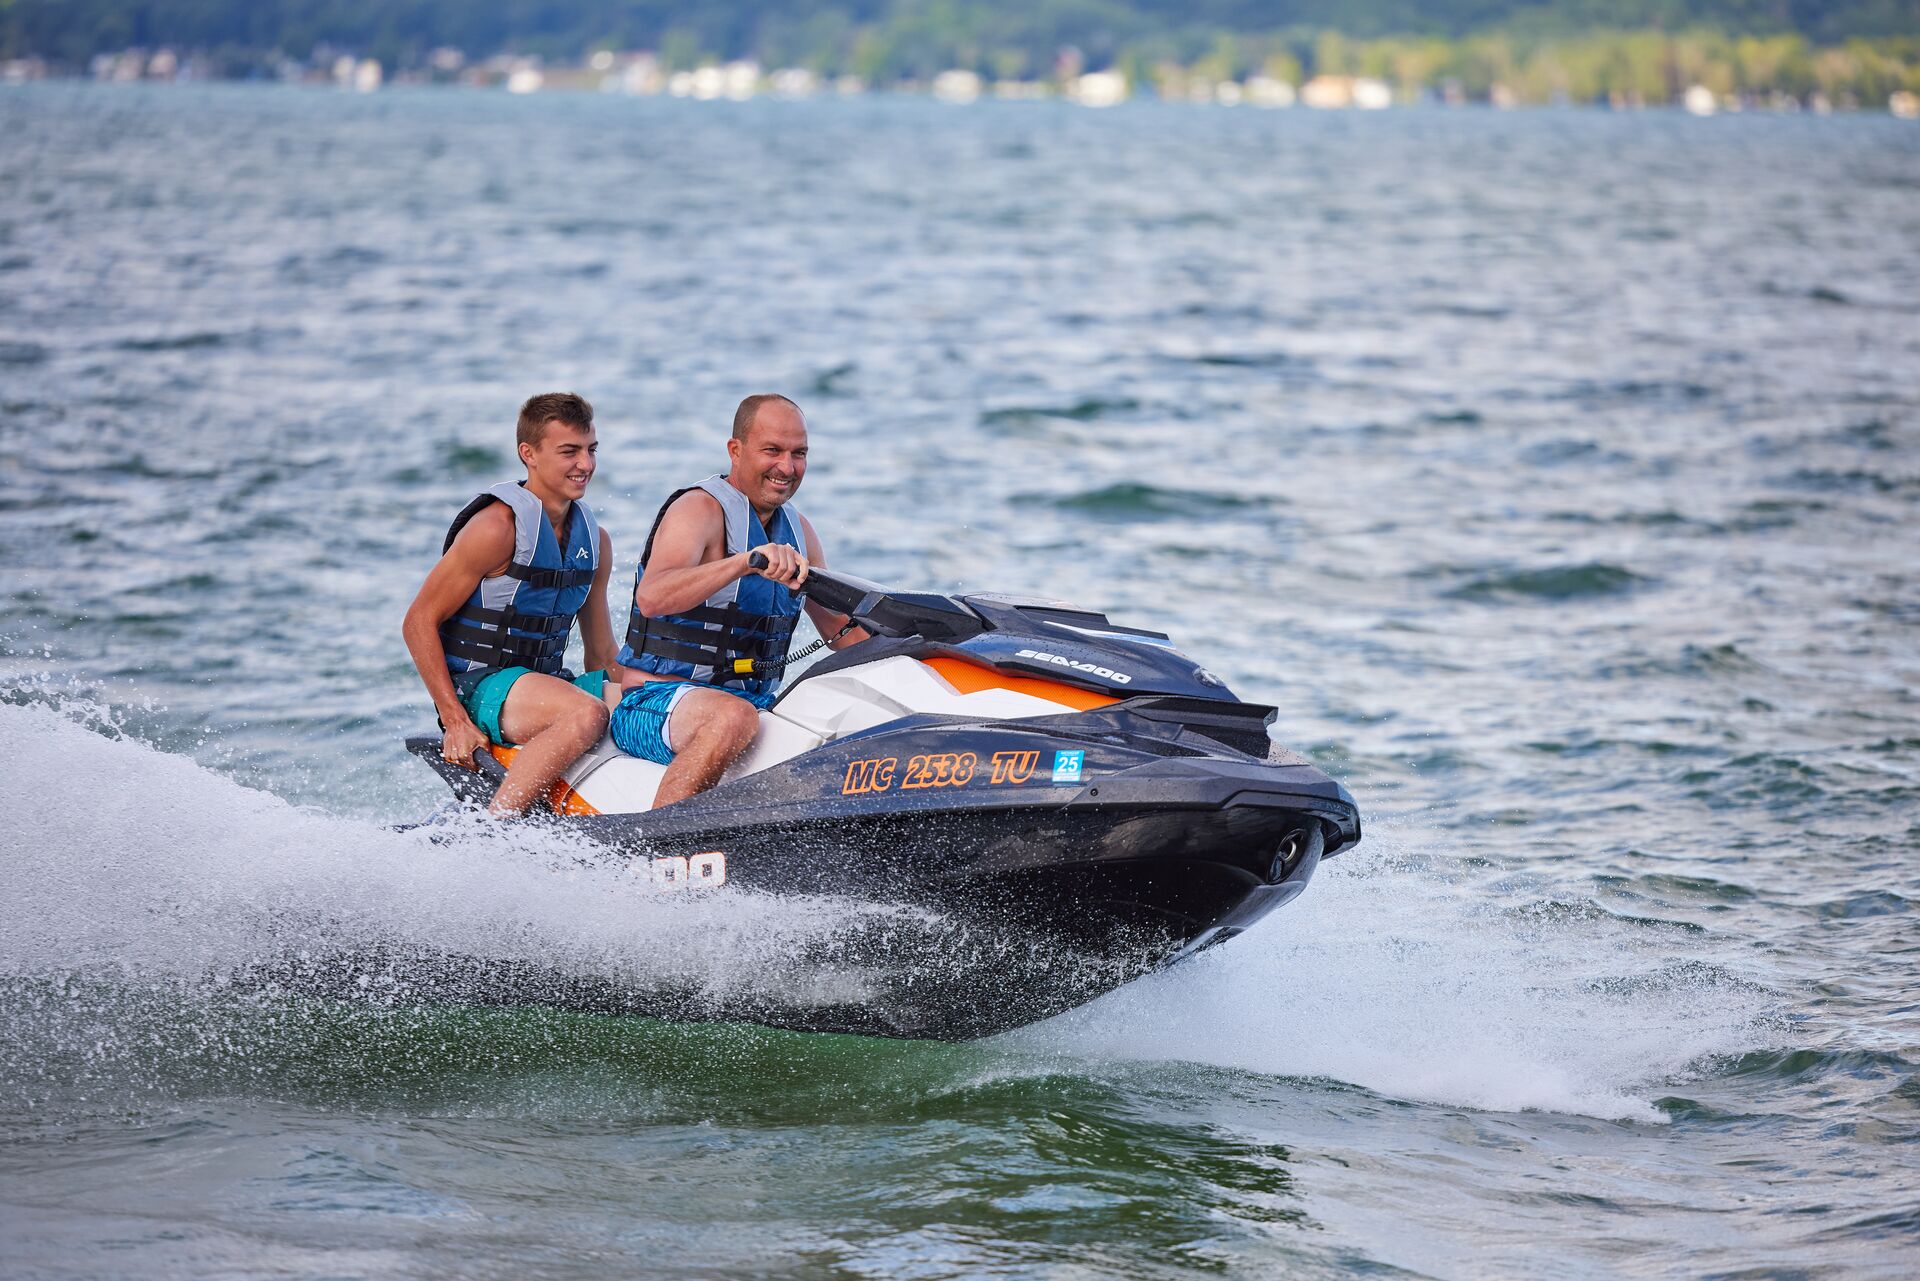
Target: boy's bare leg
pixel 554 722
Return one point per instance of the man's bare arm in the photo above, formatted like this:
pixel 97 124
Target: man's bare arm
pixel 680 577
pixel 483 548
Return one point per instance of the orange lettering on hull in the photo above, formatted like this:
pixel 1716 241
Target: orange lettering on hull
pixel 940 769
pixel 1014 767
pixel 872 775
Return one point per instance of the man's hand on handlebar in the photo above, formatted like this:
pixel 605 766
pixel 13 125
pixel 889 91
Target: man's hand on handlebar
pixel 780 563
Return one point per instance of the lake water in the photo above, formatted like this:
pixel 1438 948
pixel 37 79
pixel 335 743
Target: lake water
pixel 1556 474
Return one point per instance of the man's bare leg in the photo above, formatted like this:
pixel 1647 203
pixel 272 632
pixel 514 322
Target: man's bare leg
pixel 708 729
pixel 555 723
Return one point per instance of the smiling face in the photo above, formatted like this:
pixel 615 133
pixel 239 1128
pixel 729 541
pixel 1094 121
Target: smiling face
pixel 561 463
pixel 770 461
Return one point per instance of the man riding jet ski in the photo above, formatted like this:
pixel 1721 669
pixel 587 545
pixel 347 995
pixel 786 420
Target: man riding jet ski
pixel 1080 799
pixel 709 630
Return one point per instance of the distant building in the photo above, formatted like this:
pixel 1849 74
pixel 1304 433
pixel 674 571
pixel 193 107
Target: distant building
pixel 740 79
pixel 1099 89
pixel 956 86
pixel 1328 93
pixel 1372 95
pixel 1267 91
pixel 794 82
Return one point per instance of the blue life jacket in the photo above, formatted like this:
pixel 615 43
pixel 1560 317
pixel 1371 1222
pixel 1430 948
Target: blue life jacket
pixel 522 616
pixel 736 638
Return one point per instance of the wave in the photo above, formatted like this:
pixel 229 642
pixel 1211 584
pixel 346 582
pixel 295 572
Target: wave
pixel 175 342
pixel 1130 500
pixel 1079 411
pixel 834 381
pixel 196 340
pixel 1550 583
pixel 1253 360
pixel 1633 390
pixel 1385 977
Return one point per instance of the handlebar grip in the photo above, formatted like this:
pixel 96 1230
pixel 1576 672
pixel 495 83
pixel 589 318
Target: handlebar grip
pixel 758 560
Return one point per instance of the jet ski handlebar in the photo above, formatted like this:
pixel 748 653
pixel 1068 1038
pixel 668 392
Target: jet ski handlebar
pixel 885 612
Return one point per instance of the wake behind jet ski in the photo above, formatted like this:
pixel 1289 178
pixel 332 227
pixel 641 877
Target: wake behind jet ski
pixel 1082 799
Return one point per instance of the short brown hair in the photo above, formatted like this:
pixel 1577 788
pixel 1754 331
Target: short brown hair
pixel 547 407
pixel 750 407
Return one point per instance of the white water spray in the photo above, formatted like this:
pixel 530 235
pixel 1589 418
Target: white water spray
pixel 128 863
pixel 1400 982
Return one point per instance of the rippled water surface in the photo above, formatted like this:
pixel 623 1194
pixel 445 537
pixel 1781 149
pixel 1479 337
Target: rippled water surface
pixel 1556 475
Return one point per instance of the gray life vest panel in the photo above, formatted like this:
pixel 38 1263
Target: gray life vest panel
pixel 522 616
pixel 739 636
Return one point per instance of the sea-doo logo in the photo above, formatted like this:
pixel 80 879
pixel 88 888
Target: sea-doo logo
pixel 1104 673
pixel 697 872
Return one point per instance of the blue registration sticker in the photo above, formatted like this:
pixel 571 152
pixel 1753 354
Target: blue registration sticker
pixel 1067 766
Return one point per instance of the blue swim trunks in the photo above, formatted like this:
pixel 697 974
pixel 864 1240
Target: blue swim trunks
pixel 484 693
pixel 639 723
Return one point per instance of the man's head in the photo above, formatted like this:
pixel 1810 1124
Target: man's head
pixel 557 443
pixel 768 449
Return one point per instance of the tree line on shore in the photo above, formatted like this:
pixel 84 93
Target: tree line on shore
pixel 1623 51
pixel 1622 67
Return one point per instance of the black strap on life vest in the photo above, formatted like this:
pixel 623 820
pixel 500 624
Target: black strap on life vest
pixel 506 637
pixel 737 644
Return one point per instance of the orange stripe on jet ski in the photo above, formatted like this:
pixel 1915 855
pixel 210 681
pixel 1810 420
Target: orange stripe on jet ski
pixel 971 678
pixel 560 797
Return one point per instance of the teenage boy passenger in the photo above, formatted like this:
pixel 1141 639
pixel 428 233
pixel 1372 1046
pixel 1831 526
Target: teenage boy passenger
pixel 489 629
pixel 708 636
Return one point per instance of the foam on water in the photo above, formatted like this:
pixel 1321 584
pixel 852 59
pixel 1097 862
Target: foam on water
pixel 130 864
pixel 1390 977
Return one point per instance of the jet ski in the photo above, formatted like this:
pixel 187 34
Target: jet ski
pixel 1078 799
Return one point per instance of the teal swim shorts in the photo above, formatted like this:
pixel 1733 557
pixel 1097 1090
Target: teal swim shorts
pixel 484 693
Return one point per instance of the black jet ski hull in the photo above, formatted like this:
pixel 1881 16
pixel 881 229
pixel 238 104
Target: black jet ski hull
pixel 1057 883
pixel 1047 910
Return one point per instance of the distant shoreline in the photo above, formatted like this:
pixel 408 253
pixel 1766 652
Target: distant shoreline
pixel 1907 107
